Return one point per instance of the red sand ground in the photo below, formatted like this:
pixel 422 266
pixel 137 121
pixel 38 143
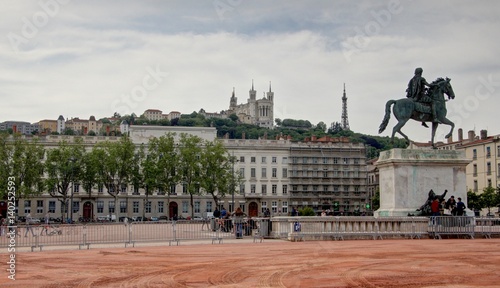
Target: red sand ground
pixel 354 263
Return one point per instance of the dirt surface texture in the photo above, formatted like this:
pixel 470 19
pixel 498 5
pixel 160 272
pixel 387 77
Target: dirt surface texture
pixel 356 263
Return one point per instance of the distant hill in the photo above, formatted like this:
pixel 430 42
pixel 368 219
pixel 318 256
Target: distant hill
pixel 297 130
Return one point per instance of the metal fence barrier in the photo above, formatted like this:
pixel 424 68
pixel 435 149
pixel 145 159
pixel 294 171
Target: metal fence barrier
pixel 85 235
pixel 218 230
pixel 456 226
pixel 487 227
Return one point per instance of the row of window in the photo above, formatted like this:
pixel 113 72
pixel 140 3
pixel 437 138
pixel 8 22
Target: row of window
pixel 326 188
pixel 488 152
pixel 274 189
pixel 325 173
pixel 284 188
pixel 263 159
pixel 274 172
pixel 159 207
pixel 325 160
pixel 305 160
pixel 488 169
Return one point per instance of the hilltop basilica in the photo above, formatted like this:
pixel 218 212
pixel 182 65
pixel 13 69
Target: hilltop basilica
pixel 258 112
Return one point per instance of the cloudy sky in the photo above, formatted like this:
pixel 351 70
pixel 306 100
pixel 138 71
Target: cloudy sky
pixel 82 58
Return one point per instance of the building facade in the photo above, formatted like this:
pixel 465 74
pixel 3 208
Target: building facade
pixel 329 174
pixel 276 175
pixel 21 127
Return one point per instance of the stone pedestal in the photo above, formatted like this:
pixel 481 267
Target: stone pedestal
pixel 407 175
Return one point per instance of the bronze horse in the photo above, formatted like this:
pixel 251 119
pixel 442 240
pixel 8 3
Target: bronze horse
pixel 406 109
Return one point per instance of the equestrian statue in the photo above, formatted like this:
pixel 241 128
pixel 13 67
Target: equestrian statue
pixel 424 103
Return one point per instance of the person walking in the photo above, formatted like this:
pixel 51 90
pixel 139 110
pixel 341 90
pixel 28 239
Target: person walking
pixel 46 225
pixel 3 224
pixel 29 221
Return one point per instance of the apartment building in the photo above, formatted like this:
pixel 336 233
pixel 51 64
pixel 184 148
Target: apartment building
pixel 277 175
pixel 329 174
pixel 21 127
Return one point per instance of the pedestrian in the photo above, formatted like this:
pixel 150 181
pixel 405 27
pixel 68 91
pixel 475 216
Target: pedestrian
pixel 451 205
pixel 223 213
pixel 267 213
pixel 294 212
pixel 3 224
pixel 46 225
pixel 238 216
pixel 435 207
pixel 216 213
pixel 460 207
pixel 29 221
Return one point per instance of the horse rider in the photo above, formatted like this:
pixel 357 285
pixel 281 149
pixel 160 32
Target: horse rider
pixel 416 91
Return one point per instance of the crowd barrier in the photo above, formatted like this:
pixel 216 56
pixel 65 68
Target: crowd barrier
pixel 452 226
pixel 217 230
pixel 172 232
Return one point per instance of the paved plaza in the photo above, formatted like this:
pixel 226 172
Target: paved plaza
pixel 273 263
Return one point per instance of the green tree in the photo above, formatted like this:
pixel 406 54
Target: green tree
pixel 63 167
pixel 69 131
pixel 474 201
pixel 115 167
pixel 233 117
pixel 163 151
pixel 21 161
pixel 321 126
pixel 215 170
pixel 89 172
pixel 376 200
pixel 489 198
pixel 189 165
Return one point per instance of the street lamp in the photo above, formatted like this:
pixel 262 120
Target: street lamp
pixel 232 182
pixel 72 162
pixel 233 159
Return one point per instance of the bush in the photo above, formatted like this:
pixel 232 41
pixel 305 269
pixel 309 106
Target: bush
pixel 306 211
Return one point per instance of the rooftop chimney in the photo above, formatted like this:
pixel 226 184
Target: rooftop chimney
pixel 460 134
pixel 472 135
pixel 484 134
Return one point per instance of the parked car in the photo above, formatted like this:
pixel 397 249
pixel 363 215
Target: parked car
pixel 122 219
pixel 54 220
pixel 139 219
pixel 152 218
pixel 103 218
pixel 163 217
pixel 35 221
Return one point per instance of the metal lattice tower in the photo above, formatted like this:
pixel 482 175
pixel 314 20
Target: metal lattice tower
pixel 345 120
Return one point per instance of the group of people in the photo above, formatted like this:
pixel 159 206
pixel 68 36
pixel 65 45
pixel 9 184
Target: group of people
pixel 455 208
pixel 236 221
